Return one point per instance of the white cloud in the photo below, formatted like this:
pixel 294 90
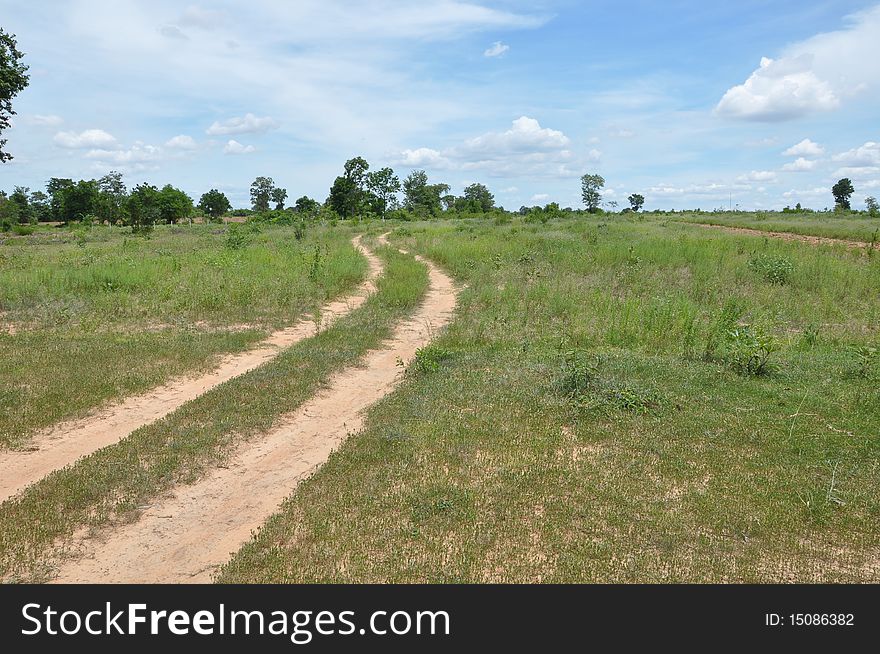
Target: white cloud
pixel 90 138
pixel 39 120
pixel 858 173
pixel 758 176
pixel 498 48
pixel 805 148
pixel 247 124
pixel 181 142
pixel 594 155
pixel 862 156
pixel 139 153
pixel 539 197
pixel 422 158
pixel 811 193
pixel 234 147
pixel 779 90
pixel 621 132
pixel 525 135
pixel 800 165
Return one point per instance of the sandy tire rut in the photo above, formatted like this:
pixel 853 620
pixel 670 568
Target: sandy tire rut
pixel 789 236
pixel 68 441
pixel 186 536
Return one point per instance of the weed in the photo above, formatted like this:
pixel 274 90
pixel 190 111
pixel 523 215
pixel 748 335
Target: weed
pixel 866 358
pixel 428 359
pixel 774 269
pixel 237 238
pixel 747 350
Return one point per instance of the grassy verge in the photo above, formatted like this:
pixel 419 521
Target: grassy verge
pixel 849 227
pixel 111 484
pixel 135 311
pixel 590 421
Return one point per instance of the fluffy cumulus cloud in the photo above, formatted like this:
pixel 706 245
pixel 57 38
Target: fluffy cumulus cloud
pixel 779 90
pixel 181 142
pixel 526 148
pixel 234 147
pixel 800 165
pixel 496 50
pixel 247 124
pixel 805 148
pixel 90 138
pixel 864 156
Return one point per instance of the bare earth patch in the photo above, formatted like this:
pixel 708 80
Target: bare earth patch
pixel 66 442
pixel 788 236
pixel 185 537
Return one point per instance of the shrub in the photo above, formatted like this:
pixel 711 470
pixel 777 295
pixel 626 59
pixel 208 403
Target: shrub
pixel 428 359
pixel 580 372
pixel 774 269
pixel 22 230
pixel 866 358
pixel 236 237
pixel 747 350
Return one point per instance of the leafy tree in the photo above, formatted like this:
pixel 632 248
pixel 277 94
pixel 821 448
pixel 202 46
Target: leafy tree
pixel 872 206
pixel 173 205
pixel 279 195
pixel 112 197
pixel 21 197
pixel 13 80
pixel 842 191
pixel 214 204
pixel 143 207
pixel 421 197
pixel 356 169
pixel 40 206
pixel 348 195
pixel 636 201
pixel 55 188
pixel 384 186
pixel 307 207
pixel 591 191
pixel 479 197
pixel 448 201
pixel 79 200
pixel 8 213
pixel 261 193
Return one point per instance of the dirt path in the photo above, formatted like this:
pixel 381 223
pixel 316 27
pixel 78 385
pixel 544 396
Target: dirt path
pixel 183 538
pixel 66 442
pixel 788 236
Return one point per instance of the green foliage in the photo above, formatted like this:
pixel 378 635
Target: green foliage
pixel 422 198
pixel 476 198
pixel 143 208
pixel 591 191
pixel 13 80
pixel 279 195
pixel 580 373
pixel 842 192
pixel 214 204
pixel 774 269
pixel 872 206
pixel 636 201
pixel 866 359
pixel 428 359
pixel 261 193
pixel 747 350
pixel 584 388
pixel 237 237
pixel 384 185
pixel 174 205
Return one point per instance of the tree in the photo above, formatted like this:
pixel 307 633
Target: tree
pixel 479 198
pixel 214 204
pixel 55 188
pixel 112 197
pixel 261 193
pixel 13 80
pixel 872 206
pixel 79 200
pixel 40 206
pixel 143 207
pixel 307 207
pixel 348 195
pixel 173 205
pixel 21 197
pixel 421 197
pixel 384 185
pixel 591 187
pixel 636 201
pixel 842 191
pixel 279 195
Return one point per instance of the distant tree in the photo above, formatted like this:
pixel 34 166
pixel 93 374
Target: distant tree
pixel 348 195
pixel 8 213
pixel 174 205
pixel 872 206
pixel 307 207
pixel 55 188
pixel 636 201
pixel 448 201
pixel 591 191
pixel 79 200
pixel 214 204
pixel 261 193
pixel 384 186
pixel 421 197
pixel 279 195
pixel 21 197
pixel 112 197
pixel 40 206
pixel 842 192
pixel 143 207
pixel 479 197
pixel 613 205
pixel 13 80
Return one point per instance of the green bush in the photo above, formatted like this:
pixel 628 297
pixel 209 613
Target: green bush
pixel 774 269
pixel 747 350
pixel 428 359
pixel 237 238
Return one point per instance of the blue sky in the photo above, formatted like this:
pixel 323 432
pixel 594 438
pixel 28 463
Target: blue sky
pixel 692 104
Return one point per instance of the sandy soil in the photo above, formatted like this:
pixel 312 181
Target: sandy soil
pixel 788 236
pixel 184 537
pixel 66 442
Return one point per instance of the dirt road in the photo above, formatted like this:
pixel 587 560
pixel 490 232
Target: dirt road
pixel 186 536
pixel 788 236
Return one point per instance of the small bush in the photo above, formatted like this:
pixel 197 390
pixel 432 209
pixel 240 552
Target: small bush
pixel 428 359
pixel 747 350
pixel 582 386
pixel 23 230
pixel 580 372
pixel 237 238
pixel 866 359
pixel 774 269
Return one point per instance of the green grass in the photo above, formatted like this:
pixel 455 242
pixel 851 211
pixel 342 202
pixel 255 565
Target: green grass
pixel 663 463
pixel 131 312
pixel 111 484
pixel 847 226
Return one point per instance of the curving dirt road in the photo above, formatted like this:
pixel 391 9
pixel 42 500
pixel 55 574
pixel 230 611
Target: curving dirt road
pixel 185 537
pixel 66 442
pixel 788 236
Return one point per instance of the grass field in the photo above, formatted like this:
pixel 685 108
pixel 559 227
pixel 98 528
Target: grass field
pixel 849 227
pixel 636 401
pixel 134 311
